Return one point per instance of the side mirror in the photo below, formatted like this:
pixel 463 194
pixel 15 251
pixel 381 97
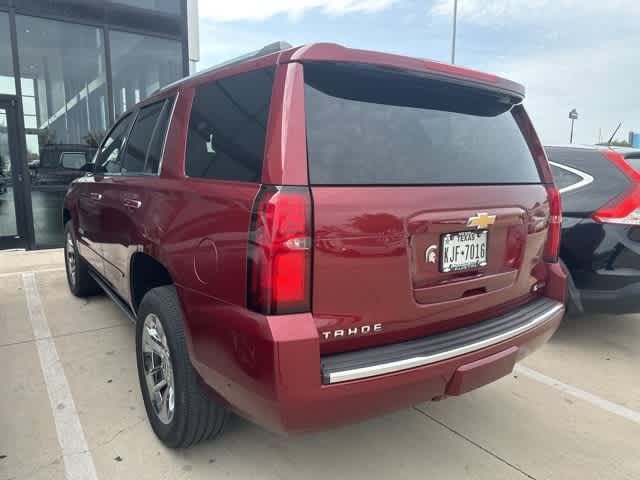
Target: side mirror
pixel 73 160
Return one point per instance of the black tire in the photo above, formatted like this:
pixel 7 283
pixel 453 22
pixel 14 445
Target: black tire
pixel 196 417
pixel 81 284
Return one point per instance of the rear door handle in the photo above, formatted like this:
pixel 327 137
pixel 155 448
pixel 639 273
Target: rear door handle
pixel 95 196
pixel 131 203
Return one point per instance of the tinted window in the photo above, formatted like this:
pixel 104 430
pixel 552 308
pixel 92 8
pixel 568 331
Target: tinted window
pixel 156 146
pixel 144 138
pixel 376 126
pixel 108 158
pixel 228 126
pixel 564 178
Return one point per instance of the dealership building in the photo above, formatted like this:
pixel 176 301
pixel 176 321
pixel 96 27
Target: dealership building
pixel 68 68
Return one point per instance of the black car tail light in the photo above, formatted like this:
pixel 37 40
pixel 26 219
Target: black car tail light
pixel 625 208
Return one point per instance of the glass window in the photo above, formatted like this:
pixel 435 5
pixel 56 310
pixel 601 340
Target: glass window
pixel 563 178
pixel 7 82
pixel 65 110
pixel 156 147
pixel 136 152
pixel 108 158
pixel 8 225
pixel 227 127
pixel 368 125
pixel 166 6
pixel 162 61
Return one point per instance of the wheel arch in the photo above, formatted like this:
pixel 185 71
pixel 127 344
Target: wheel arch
pixel 146 272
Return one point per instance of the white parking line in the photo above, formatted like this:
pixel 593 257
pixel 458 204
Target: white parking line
pixel 595 400
pixel 78 462
pixel 57 269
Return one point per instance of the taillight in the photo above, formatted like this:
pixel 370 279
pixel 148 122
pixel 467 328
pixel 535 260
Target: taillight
pixel 625 208
pixel 555 225
pixel 279 254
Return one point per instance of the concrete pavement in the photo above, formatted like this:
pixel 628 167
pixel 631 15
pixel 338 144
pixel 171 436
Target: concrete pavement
pixel 516 428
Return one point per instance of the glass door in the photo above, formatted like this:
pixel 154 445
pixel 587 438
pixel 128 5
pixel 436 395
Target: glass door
pixel 11 181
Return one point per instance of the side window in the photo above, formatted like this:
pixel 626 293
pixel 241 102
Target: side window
pixel 108 158
pixel 563 178
pixel 142 132
pixel 227 128
pixel 154 153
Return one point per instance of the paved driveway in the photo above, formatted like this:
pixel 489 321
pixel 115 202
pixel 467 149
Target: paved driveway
pixel 70 403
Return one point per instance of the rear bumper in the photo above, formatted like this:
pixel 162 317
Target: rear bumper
pixel 622 300
pixel 376 361
pixel 275 378
pixel 604 262
pixel 325 405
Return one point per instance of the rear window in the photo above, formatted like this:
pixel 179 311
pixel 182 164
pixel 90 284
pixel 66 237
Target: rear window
pixel 563 178
pixel 369 125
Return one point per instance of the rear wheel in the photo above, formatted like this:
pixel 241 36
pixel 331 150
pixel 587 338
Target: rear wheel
pixel 180 412
pixel 80 281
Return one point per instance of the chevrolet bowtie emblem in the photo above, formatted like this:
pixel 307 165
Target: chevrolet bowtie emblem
pixel 481 221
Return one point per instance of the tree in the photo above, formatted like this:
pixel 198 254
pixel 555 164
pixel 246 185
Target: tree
pixel 615 143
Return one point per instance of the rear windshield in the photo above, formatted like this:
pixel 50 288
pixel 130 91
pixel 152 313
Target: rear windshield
pixel 368 125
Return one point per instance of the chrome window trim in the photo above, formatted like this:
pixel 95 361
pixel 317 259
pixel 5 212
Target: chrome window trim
pixel 586 179
pixel 391 367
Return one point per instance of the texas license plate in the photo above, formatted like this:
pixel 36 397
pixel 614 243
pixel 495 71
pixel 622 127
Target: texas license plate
pixel 463 251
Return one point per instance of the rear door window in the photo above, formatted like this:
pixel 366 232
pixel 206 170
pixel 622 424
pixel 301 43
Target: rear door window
pixel 227 128
pixel 375 126
pixel 156 144
pixel 146 139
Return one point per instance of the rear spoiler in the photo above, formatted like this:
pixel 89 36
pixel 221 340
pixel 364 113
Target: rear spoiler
pixel 331 52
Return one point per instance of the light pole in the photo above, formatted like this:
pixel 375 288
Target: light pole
pixel 573 115
pixel 453 32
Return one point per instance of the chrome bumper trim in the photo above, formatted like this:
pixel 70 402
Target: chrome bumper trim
pixel 419 361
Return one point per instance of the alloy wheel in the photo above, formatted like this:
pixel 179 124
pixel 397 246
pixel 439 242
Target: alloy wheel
pixel 158 370
pixel 70 254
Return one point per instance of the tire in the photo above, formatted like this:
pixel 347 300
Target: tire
pixel 195 417
pixel 80 282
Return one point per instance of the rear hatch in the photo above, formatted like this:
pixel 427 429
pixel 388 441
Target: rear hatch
pixel 429 210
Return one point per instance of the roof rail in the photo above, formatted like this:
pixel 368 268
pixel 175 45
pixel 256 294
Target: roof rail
pixel 266 50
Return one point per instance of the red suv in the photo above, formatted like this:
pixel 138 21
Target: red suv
pixel 314 235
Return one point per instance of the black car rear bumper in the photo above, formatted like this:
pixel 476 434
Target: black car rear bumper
pixel 623 300
pixel 604 263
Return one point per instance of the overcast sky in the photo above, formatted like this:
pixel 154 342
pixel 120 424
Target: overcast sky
pixel 582 54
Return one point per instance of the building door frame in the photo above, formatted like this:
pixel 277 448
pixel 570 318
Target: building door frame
pixel 20 178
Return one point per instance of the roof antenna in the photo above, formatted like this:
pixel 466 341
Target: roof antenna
pixel 613 134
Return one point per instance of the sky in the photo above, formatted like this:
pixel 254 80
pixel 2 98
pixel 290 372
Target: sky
pixel 582 54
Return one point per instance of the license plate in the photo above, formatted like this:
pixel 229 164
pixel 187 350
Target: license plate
pixel 463 251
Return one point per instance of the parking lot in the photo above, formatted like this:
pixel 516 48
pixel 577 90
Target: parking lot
pixel 70 404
